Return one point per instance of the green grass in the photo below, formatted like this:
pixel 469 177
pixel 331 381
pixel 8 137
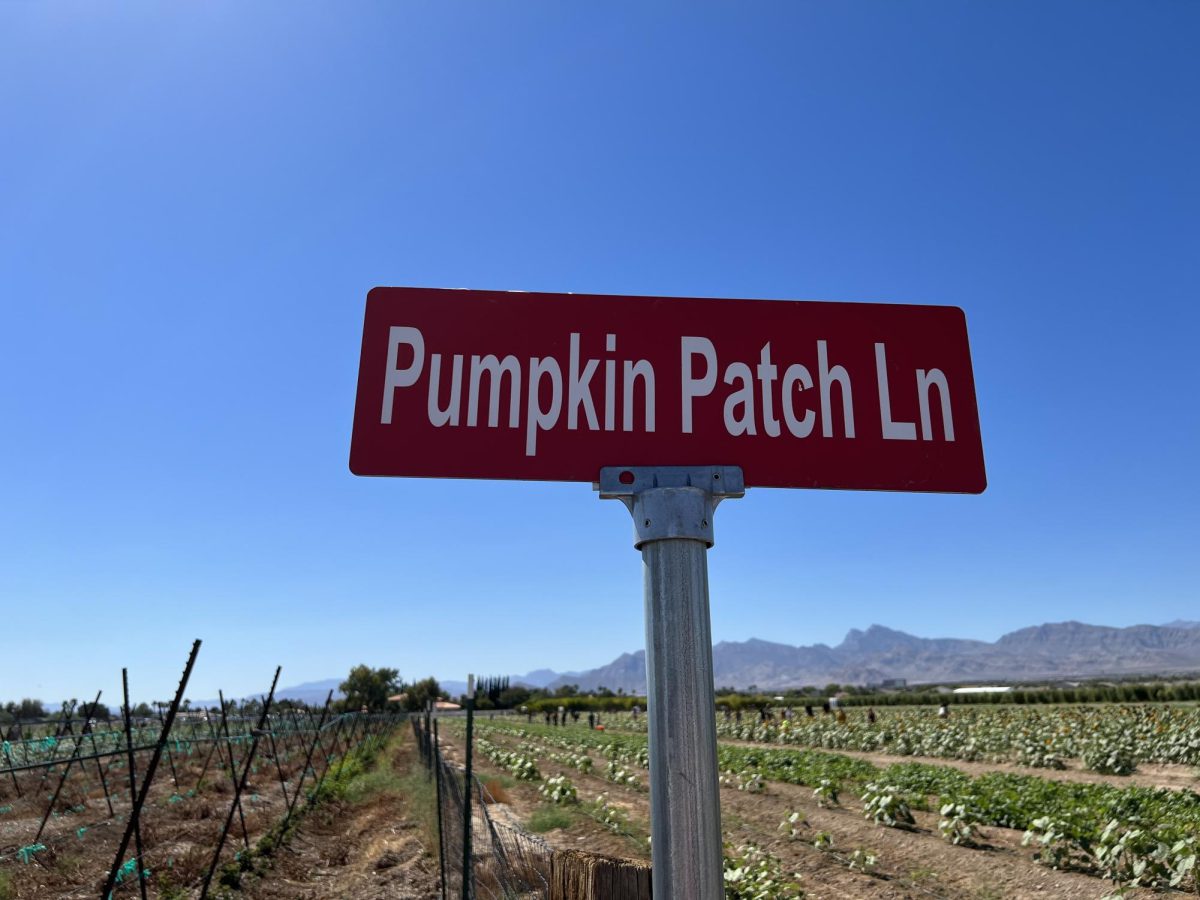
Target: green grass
pixel 7 892
pixel 420 798
pixel 549 818
pixel 377 780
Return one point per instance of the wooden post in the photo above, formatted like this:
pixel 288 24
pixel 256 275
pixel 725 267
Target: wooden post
pixel 575 875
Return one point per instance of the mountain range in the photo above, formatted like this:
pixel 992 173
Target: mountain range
pixel 1042 652
pixel 1051 651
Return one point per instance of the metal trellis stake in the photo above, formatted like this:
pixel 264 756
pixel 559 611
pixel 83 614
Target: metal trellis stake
pixel 241 785
pixel 11 764
pixel 672 510
pixel 214 738
pixel 61 781
pixel 297 793
pixel 68 710
pixel 233 779
pixel 316 791
pixel 140 799
pixel 100 770
pixel 170 755
pixel 137 826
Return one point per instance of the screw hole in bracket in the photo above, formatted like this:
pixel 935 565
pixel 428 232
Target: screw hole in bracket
pixel 626 477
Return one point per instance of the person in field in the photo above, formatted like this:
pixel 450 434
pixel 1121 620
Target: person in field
pixel 871 715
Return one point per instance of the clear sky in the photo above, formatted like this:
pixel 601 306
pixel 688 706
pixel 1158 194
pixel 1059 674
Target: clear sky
pixel 195 199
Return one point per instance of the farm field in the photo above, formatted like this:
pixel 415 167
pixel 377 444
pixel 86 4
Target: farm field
pixel 65 802
pixel 1106 739
pixel 856 822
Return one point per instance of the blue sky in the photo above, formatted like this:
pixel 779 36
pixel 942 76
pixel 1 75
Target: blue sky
pixel 196 198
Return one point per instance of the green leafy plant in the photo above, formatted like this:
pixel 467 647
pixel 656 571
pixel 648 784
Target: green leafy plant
pixel 862 860
pixel 790 827
pixel 558 789
pixel 959 823
pixel 753 874
pixel 826 793
pixel 886 805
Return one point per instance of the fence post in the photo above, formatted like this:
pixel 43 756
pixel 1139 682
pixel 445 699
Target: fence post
pixel 150 769
pixel 468 870
pixel 435 766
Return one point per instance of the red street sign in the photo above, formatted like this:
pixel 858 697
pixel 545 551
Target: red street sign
pixel 489 384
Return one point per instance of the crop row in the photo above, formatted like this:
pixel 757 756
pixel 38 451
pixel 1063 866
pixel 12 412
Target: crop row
pixel 1152 831
pixel 1107 738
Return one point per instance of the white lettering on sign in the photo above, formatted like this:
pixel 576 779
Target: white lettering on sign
pixel 924 382
pixel 398 378
pixel 697 387
pixel 892 431
pixel 756 399
pixel 495 369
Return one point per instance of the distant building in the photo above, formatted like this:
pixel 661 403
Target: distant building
pixel 984 689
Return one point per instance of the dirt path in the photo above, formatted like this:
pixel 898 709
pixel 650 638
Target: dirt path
pixel 373 850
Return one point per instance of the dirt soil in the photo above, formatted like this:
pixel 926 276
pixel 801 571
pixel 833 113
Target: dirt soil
pixel 368 851
pixel 911 864
pixel 375 850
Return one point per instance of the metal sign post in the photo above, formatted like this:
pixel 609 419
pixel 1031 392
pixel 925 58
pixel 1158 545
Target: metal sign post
pixel 672 509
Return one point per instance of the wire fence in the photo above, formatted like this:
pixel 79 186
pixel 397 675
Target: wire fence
pixel 480 858
pixel 179 802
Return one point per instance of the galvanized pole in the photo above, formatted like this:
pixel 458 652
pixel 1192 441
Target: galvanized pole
pixel 672 510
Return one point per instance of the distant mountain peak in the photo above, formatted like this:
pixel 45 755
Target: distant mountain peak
pixel 1051 650
pixel 876 637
